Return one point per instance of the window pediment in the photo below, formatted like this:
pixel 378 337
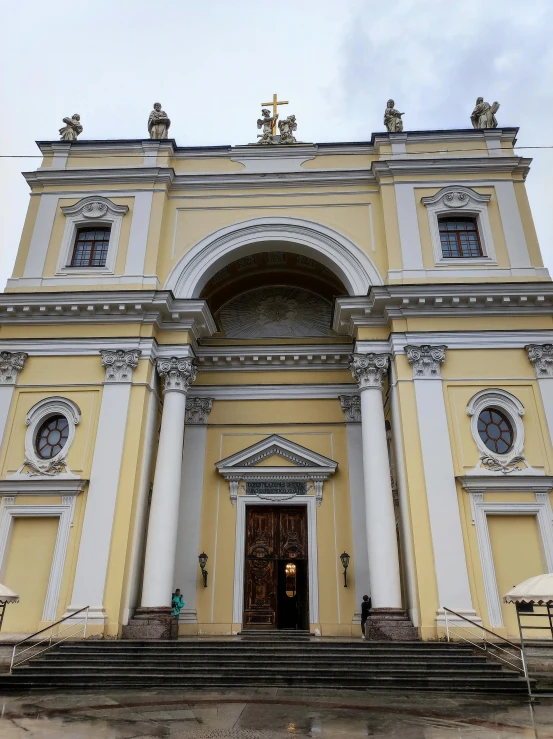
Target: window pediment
pixel 249 466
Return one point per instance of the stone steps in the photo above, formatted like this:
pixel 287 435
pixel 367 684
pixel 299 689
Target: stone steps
pixel 225 663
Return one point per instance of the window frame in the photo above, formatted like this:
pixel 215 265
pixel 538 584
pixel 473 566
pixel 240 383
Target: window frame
pixel 509 406
pixel 460 218
pixel 92 211
pixel 35 418
pixel 457 201
pixel 82 229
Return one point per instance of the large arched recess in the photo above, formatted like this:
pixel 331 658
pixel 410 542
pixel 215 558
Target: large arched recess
pixel 324 244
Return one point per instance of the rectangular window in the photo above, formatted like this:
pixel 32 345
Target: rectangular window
pixel 91 247
pixel 459 238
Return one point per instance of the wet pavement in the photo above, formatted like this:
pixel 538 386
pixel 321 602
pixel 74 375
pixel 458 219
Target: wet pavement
pixel 271 713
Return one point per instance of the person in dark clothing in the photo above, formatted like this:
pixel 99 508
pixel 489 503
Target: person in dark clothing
pixel 365 610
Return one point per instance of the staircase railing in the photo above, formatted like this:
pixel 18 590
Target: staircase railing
pixel 82 624
pixel 488 641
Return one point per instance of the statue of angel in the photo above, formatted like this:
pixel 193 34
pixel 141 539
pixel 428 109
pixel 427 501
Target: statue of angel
pixel 392 118
pixel 72 128
pixel 286 128
pixel 266 123
pixel 158 123
pixel 483 115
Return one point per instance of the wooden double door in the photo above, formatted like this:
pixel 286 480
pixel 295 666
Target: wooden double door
pixel 275 572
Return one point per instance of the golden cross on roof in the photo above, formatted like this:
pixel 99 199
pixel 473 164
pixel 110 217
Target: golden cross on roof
pixel 274 103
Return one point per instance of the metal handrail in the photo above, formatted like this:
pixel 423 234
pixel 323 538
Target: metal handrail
pixel 83 621
pixel 522 668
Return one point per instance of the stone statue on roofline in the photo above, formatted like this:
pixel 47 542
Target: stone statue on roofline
pixel 483 115
pixel 287 128
pixel 266 123
pixel 72 128
pixel 158 123
pixel 392 118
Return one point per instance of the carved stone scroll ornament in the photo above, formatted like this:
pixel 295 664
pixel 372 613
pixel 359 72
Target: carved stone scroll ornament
pixel 11 364
pixel 351 405
pixel 197 410
pixel 177 372
pixel 119 364
pixel 369 369
pixel 541 356
pixel 426 360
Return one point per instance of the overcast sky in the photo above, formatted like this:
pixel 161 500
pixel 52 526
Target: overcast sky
pixel 212 63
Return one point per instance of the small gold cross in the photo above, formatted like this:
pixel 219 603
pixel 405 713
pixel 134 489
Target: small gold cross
pixel 274 103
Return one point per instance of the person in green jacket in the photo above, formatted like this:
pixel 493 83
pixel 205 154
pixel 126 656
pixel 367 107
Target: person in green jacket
pixel 177 603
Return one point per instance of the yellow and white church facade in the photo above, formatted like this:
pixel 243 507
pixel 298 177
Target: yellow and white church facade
pixel 274 356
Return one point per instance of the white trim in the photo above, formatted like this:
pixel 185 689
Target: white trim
pixel 240 551
pixel 541 508
pixel 462 201
pixel 512 225
pixel 272 392
pixel 95 544
pixel 6 395
pixel 94 210
pixel 64 511
pixel 42 231
pixel 39 413
pixel 357 505
pixel 138 237
pixel 298 235
pixel 409 234
pixel 443 507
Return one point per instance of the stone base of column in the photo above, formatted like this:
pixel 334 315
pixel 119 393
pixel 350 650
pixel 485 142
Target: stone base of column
pixel 151 623
pixel 390 624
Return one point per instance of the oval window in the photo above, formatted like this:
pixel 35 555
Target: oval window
pixel 495 430
pixel 52 436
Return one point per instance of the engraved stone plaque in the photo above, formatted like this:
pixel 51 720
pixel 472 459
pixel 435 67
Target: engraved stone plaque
pixel 275 487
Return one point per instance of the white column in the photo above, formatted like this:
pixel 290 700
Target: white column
pixel 370 370
pixel 351 405
pixel 95 544
pixel 187 570
pixel 541 356
pixel 159 565
pixel 11 364
pixel 450 560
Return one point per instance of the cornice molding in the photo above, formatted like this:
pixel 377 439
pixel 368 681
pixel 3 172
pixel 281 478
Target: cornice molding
pixel 440 165
pixel 408 301
pixel 102 176
pixel 504 484
pixel 134 306
pixel 42 486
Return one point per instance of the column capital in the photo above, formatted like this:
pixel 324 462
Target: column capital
pixel 11 364
pixel 426 361
pixel 369 369
pixel 178 373
pixel 120 364
pixel 351 405
pixel 541 356
pixel 197 410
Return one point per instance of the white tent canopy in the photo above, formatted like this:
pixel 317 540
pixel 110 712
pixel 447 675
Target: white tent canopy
pixel 536 590
pixel 7 595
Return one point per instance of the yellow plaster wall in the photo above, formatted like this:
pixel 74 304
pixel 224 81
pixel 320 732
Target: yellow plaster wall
pixel 528 224
pixel 27 570
pixel 26 235
pixel 206 165
pixel 517 555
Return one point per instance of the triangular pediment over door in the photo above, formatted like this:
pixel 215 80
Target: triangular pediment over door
pixel 258 463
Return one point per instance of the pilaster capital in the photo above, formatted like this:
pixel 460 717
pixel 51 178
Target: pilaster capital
pixel 541 356
pixel 11 364
pixel 369 369
pixel 177 373
pixel 120 364
pixel 426 361
pixel 351 405
pixel 197 410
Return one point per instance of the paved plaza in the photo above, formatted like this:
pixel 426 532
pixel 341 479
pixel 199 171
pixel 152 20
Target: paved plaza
pixel 271 713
